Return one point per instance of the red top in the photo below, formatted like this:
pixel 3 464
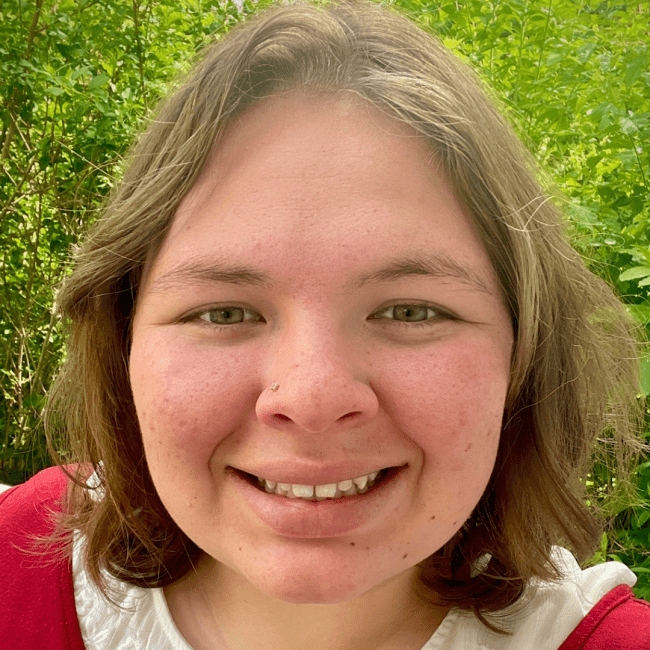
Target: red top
pixel 37 608
pixel 619 621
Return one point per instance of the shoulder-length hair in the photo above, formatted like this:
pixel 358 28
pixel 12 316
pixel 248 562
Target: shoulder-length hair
pixel 574 363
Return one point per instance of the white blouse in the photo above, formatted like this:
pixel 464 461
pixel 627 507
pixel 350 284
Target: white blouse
pixel 544 623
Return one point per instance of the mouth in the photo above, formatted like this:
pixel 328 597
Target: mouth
pixel 310 517
pixel 341 490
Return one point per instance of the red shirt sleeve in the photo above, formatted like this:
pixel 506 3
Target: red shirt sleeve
pixel 619 621
pixel 37 608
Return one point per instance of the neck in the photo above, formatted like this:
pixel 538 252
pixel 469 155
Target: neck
pixel 216 608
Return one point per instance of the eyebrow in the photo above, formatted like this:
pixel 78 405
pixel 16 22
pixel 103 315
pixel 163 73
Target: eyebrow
pixel 216 270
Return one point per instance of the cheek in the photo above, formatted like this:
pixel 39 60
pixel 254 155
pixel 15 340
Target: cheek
pixel 452 405
pixel 185 404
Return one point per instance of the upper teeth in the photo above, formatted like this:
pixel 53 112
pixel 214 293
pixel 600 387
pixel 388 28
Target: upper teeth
pixel 328 490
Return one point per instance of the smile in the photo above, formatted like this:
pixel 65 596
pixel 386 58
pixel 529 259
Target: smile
pixel 290 515
pixel 347 488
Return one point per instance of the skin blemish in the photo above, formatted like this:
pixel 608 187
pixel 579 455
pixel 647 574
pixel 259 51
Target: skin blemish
pixel 351 543
pixel 469 446
pixel 433 517
pixel 405 556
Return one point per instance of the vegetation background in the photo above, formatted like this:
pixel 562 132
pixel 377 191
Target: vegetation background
pixel 78 79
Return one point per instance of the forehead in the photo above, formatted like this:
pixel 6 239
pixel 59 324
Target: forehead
pixel 304 177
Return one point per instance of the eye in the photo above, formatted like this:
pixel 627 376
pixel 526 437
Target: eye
pixel 424 315
pixel 225 316
pixel 409 315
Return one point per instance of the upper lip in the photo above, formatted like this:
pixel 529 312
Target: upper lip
pixel 305 474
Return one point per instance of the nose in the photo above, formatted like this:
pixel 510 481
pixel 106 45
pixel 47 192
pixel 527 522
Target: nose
pixel 319 392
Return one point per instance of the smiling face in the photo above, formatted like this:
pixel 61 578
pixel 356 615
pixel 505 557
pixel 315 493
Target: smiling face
pixel 313 195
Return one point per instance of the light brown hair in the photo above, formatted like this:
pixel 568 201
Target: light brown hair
pixel 574 363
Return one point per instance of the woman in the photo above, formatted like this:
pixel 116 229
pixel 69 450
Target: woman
pixel 334 375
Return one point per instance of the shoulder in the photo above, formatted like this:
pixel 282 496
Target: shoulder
pixel 580 600
pixel 27 507
pixel 37 598
pixel 26 510
pixel 41 490
pixel 551 611
pixel 617 621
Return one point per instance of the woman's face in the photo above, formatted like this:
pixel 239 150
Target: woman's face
pixel 261 280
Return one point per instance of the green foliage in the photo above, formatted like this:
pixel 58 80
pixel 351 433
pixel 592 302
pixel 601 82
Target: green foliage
pixel 574 76
pixel 78 81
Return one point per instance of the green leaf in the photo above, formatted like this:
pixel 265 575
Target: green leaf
pixel 635 68
pixel 79 71
pixel 634 273
pixel 642 518
pixel 585 51
pixel 592 161
pixel 628 126
pixel 640 313
pixel 98 81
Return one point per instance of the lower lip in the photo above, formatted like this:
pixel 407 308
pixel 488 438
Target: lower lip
pixel 317 519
